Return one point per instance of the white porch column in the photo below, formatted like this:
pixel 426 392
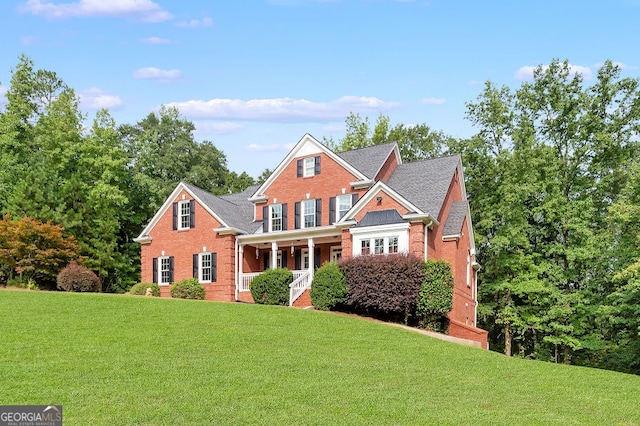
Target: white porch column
pixel 274 255
pixel 311 245
pixel 240 260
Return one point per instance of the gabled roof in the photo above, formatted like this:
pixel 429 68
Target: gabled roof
pixel 370 160
pixel 234 209
pixel 425 183
pixel 455 219
pixel 305 146
pixel 380 217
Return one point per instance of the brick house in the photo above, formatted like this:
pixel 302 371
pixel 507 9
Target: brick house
pixel 318 206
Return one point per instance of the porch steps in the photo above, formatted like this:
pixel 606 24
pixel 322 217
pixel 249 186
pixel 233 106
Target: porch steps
pixel 304 301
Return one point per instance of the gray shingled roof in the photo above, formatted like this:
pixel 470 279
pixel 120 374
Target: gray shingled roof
pixel 368 160
pixel 234 209
pixel 380 217
pixel 455 218
pixel 425 183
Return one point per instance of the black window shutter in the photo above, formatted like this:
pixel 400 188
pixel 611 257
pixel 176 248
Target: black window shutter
pixel 155 269
pixel 265 260
pixel 299 168
pixel 317 165
pixel 354 199
pixel 332 210
pixel 284 258
pixel 214 266
pixel 195 266
pixel 297 260
pixel 296 210
pixel 192 213
pixel 171 269
pixel 175 216
pixel 316 257
pixel 319 212
pixel 265 219
pixel 284 217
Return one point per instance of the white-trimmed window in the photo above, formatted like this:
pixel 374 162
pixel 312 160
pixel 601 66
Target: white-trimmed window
pixel 336 253
pixel 365 247
pixel 164 270
pixel 308 213
pixel 392 244
pixel 184 214
pixel 343 203
pixel 309 167
pixel 205 268
pixel 383 239
pixel 276 217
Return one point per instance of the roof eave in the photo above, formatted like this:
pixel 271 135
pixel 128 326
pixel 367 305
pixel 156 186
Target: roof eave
pixel 425 218
pixel 143 239
pixel 228 230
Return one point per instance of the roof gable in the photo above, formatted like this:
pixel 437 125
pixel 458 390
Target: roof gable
pixel 229 210
pixel 308 145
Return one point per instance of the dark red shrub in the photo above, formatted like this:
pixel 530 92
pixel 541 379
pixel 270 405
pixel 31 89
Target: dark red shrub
pixel 74 277
pixel 384 286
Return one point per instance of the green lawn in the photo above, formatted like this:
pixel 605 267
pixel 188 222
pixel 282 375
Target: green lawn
pixel 125 360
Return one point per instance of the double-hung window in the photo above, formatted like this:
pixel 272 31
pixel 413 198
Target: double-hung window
pixel 308 213
pixel 344 204
pixel 309 167
pixel 378 246
pixel 205 267
pixel 184 211
pixel 276 217
pixel 393 244
pixel 365 247
pixel 164 267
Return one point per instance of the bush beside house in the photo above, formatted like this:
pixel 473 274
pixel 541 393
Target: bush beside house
pixel 329 288
pixel 188 288
pixel 272 287
pixel 140 289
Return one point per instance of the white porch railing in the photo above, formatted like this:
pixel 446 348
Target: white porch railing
pixel 245 279
pixel 299 285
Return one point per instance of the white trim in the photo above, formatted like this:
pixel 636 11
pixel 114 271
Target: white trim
pixel 200 268
pixel 159 269
pixel 371 233
pixel 181 205
pixel 305 146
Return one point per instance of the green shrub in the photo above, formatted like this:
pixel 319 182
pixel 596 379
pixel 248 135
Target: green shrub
pixel 188 288
pixel 436 294
pixel 329 287
pixel 74 277
pixel 140 289
pixel 272 287
pixel 21 283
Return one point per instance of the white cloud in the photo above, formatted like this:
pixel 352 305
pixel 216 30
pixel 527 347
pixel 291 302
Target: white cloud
pixel 152 73
pixel 217 128
pixel 28 40
pixel 145 10
pixel 95 98
pixel 196 23
pixel 155 40
pixel 277 147
pixel 432 101
pixel 526 72
pixel 282 109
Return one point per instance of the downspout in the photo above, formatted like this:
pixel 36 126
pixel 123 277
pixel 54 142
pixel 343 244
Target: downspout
pixel 426 239
pixel 235 268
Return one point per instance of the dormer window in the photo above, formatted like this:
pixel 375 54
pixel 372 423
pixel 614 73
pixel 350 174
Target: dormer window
pixel 308 167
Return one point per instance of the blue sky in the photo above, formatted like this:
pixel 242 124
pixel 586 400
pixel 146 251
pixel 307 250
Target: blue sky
pixel 254 76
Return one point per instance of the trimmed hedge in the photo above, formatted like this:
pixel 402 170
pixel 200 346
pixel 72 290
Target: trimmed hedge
pixel 384 286
pixel 272 287
pixel 140 289
pixel 74 277
pixel 188 288
pixel 435 300
pixel 329 287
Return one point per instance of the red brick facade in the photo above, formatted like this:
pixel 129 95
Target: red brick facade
pixel 250 249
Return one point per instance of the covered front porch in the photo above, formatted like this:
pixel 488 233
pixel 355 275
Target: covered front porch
pixel 302 254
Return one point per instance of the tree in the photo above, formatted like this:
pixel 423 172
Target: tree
pixel 33 250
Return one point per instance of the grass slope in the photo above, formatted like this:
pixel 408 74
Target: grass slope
pixel 124 360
